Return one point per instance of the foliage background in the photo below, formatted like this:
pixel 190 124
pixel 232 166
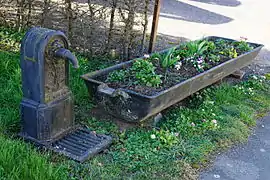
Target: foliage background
pixel 114 27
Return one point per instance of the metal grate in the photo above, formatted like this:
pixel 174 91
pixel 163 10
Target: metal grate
pixel 81 144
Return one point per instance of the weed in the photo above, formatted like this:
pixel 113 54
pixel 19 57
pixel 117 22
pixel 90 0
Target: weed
pixel 267 76
pixel 117 76
pixel 168 59
pixel 242 46
pixel 214 119
pixel 142 70
pixel 145 73
pixel 10 39
pixel 195 48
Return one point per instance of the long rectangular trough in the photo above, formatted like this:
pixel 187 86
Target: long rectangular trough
pixel 134 107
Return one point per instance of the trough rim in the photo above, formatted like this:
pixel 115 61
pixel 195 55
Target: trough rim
pixel 90 76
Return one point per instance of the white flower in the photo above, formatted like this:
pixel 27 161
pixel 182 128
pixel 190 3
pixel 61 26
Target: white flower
pixel 193 124
pixel 146 56
pixel 153 136
pixel 178 66
pixel 214 121
pixel 200 66
pixel 255 77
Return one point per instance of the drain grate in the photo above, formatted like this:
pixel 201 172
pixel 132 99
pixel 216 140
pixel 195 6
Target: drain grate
pixel 81 144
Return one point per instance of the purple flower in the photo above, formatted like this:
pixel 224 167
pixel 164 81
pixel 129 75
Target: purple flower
pixel 200 60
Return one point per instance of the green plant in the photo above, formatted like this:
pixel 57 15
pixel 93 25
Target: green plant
pixel 267 76
pixel 214 58
pixel 199 63
pixel 221 44
pixel 195 48
pixel 230 52
pixel 142 65
pixel 195 52
pixel 20 161
pixel 10 39
pixel 232 49
pixel 134 153
pixel 242 46
pixel 144 72
pixel 169 59
pixel 117 76
pixel 211 46
pixel 155 57
pixel 167 138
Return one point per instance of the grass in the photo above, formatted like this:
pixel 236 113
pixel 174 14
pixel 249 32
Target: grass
pixel 181 144
pixel 20 161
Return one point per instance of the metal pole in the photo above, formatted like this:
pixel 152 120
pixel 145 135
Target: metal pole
pixel 154 26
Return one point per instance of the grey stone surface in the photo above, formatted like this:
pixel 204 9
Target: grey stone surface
pixel 250 161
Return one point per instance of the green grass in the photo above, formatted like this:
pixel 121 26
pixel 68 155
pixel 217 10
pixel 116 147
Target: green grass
pixel 20 161
pixel 175 150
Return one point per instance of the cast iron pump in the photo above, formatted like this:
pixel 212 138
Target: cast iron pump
pixel 47 114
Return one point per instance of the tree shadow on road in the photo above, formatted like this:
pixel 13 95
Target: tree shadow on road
pixel 165 41
pixel 232 3
pixel 181 11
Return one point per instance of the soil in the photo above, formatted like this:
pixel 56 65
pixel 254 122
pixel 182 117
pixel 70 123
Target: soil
pixel 102 115
pixel 173 77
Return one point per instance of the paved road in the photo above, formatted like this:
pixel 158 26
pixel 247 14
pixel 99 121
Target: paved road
pixel 231 18
pixel 246 162
pixel 193 19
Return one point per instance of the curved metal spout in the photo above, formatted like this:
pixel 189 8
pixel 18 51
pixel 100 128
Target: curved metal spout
pixel 65 53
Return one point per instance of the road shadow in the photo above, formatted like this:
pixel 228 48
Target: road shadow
pixel 181 11
pixel 166 41
pixel 231 3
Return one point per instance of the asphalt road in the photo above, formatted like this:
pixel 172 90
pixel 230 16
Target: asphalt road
pixel 193 19
pixel 250 161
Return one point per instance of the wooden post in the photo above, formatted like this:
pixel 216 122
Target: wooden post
pixel 154 26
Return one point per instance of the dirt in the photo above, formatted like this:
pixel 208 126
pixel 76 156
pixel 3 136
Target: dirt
pixel 170 76
pixel 99 113
pixel 173 77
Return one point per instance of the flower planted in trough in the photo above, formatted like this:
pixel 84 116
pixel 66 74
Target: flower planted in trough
pixel 140 88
